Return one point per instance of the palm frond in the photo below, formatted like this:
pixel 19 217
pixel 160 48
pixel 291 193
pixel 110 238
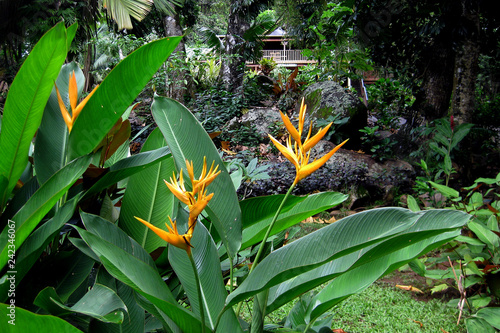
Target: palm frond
pixel 168 6
pixel 121 10
pixel 260 27
pixel 210 38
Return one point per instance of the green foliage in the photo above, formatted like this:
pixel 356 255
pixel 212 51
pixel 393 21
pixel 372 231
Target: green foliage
pixel 215 107
pixel 96 270
pixel 204 69
pixel 330 34
pixel 477 250
pixel 389 99
pixel 112 47
pixel 381 149
pixel 445 138
pixel 267 65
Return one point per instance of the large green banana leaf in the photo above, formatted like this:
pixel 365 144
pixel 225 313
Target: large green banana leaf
pixel 148 198
pixel 135 317
pixel 211 282
pixel 348 281
pixel 188 140
pixel 26 321
pixel 100 302
pixel 25 103
pixel 36 243
pixel 376 233
pixel 258 213
pixel 116 93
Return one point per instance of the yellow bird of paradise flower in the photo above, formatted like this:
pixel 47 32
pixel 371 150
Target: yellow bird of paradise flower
pixel 299 152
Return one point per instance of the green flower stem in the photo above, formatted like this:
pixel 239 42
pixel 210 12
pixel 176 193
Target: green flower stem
pixel 200 299
pixel 271 225
pixel 266 236
pixel 260 300
pixel 230 274
pixel 308 326
pixel 64 198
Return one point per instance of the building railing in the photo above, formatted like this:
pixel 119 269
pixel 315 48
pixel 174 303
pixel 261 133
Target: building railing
pixel 286 56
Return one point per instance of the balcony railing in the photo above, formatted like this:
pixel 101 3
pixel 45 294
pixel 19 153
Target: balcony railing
pixel 286 56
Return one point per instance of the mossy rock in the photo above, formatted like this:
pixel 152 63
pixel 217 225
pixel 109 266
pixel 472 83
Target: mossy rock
pixel 329 98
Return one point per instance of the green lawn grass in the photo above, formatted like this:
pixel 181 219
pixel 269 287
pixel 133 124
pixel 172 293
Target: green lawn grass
pixel 383 308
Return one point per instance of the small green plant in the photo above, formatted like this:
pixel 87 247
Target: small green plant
pixel 381 149
pixel 267 65
pixel 446 138
pixel 243 175
pixel 476 251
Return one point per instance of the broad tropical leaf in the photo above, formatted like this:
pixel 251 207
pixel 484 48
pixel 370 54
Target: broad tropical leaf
pixel 350 281
pixel 25 103
pixel 189 141
pixel 258 213
pixel 100 302
pixel 148 198
pixel 212 285
pixel 36 243
pixel 26 321
pixel 116 93
pixel 128 262
pixel 376 232
pixel 134 319
pixel 40 203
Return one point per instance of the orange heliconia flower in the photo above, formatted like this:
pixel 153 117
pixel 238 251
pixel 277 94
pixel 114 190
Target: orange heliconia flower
pixel 73 99
pixel 299 152
pixel 196 201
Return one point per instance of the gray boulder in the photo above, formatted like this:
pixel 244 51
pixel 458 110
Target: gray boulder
pixel 259 118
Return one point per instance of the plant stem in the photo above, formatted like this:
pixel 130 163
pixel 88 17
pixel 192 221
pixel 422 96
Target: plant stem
pixel 263 242
pixel 308 326
pixel 271 225
pixel 198 288
pixel 64 198
pixel 448 174
pixel 230 274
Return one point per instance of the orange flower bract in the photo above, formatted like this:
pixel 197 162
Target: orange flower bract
pixel 196 201
pixel 69 119
pixel 298 152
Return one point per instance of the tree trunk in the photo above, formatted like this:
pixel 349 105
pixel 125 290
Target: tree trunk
pixel 466 68
pixel 89 58
pixel 433 98
pixel 233 66
pixel 176 76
